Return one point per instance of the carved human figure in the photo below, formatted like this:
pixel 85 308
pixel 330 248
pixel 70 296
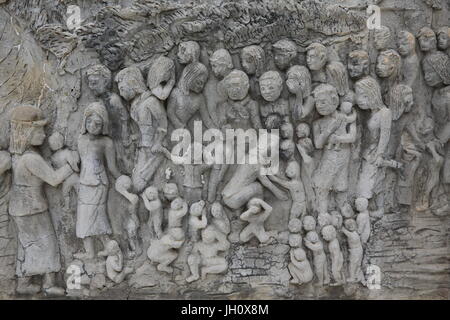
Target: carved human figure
pixel 313 243
pixel 284 53
pixel 371 175
pixel 436 69
pixel 155 209
pixel 271 86
pixel 323 219
pixel 336 256
pixel 187 98
pixel 363 219
pixel 388 67
pixel 299 84
pixel 443 39
pixel 358 64
pixel 441 108
pixel 221 65
pixel 99 80
pixel 316 60
pixel 38 250
pixel 197 219
pixel 305 147
pixel 165 250
pixel 97 154
pixel 178 209
pixel 287 149
pixel 382 37
pixel 299 266
pixel 59 158
pixel 332 171
pixel 256 214
pixel 253 61
pixel 239 111
pixel 206 255
pixel 148 113
pixel 296 189
pixel 355 250
pixel 410 62
pixel 123 186
pixel 219 219
pixel 346 133
pixel 188 52
pixel 337 76
pixel 427 40
pixel 114 262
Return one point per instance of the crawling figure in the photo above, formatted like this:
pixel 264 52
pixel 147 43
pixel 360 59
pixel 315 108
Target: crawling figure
pixel 257 213
pixel 114 262
pixel 165 250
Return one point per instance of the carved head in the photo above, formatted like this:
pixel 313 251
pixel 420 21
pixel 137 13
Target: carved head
pixel 130 83
pixel 389 64
pixel 217 210
pixel 56 141
pixel 287 149
pixel 327 99
pixel 323 219
pixel 236 85
pixel 95 119
pixel 208 235
pixel 176 204
pixel 295 225
pixel 436 69
pixel 336 219
pixel 99 79
pixel 427 39
pixel 337 76
pixel 284 52
pixel 112 56
pixel 161 73
pixel 329 233
pixel 368 94
pixel 406 43
pixel 293 170
pixel 253 59
pixel 112 247
pixel 346 107
pixel 350 225
pixel 27 129
pixel 295 240
pixel 170 191
pixel 271 85
pixel 347 210
pixel 273 121
pixel 400 100
pixel 300 254
pixel 287 130
pixel 221 63
pixel 316 56
pixel 381 38
pixel 309 223
pixel 361 204
pixel 188 52
pixel 299 77
pixel 151 193
pixel 193 78
pixel 123 184
pixel 312 236
pixel 426 126
pixel 443 36
pixel 358 64
pixel 302 130
pixel 197 208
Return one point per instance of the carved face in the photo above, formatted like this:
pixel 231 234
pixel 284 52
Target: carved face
pixel 427 43
pixel 405 44
pixel 98 84
pixel 216 211
pixel 237 88
pixel 309 223
pixel 185 53
pixel 248 64
pixel 312 236
pixel 323 219
pixel 316 59
pixel 357 67
pixel 385 66
pixel 432 78
pixel 37 136
pixel 270 89
pixel 94 124
pixel 125 90
pixel 198 83
pixel 408 100
pixel 362 99
pixel 302 130
pixel 350 225
pixel 326 102
pixel 287 149
pixel 151 193
pixel 361 204
pixel 346 107
pixel 295 240
pixel 171 193
pixel 329 233
pixel 291 170
pixel 442 39
pixel 283 59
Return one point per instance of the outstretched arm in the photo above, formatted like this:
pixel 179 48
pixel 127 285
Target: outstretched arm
pixel 275 190
pixel 38 167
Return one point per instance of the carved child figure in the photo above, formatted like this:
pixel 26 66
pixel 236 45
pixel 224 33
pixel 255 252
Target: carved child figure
pixel 346 133
pixel 355 250
pixel 299 267
pixel 59 158
pixel 114 262
pixel 337 259
pixel 219 219
pixel 363 219
pixel 253 59
pixel 313 243
pixel 257 213
pixel 271 86
pixel 197 219
pixel 165 250
pixel 296 189
pixel 178 209
pixel 154 206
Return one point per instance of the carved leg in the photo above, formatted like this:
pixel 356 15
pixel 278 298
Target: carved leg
pixel 194 264
pixel 50 287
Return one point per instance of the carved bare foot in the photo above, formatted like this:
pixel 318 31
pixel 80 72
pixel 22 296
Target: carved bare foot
pixel 164 268
pixel 54 291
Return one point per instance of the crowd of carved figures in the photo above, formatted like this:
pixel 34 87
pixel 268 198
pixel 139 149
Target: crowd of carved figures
pixel 323 109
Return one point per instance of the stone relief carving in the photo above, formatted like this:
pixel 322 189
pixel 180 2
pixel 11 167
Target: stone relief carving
pixel 363 119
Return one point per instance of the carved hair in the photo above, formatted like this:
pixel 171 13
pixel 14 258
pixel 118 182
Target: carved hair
pixel 239 74
pixel 426 32
pixel 396 100
pixel 440 62
pixel 371 87
pixel 317 47
pixel 133 77
pixel 325 88
pixel 338 77
pixel 383 32
pixel 158 69
pixel 302 74
pixel 408 35
pixel 99 70
pixel 395 58
pixel 191 72
pixel 193 49
pixel 99 109
pixel 23 121
pixel 257 56
pixel 286 45
pixel 224 55
pixel 272 75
